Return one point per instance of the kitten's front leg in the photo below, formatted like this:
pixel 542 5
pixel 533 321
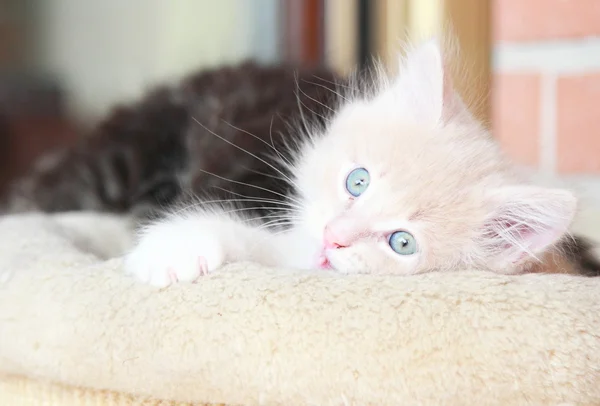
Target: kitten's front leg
pixel 183 248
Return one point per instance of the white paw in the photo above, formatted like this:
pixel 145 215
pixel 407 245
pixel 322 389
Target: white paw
pixel 174 252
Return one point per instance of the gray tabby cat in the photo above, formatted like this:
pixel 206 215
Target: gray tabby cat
pixel 179 141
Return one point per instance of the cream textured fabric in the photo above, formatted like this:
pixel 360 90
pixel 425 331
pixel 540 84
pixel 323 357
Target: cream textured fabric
pixel 74 331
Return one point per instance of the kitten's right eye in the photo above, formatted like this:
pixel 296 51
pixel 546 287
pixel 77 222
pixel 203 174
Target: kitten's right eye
pixel 357 181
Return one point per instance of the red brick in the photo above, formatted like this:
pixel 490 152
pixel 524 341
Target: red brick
pixel 528 20
pixel 578 123
pixel 515 115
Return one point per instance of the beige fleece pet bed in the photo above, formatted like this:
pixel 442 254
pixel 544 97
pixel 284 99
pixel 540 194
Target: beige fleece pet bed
pixel 75 331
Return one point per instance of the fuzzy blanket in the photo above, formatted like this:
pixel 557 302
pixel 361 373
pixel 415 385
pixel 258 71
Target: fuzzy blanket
pixel 74 330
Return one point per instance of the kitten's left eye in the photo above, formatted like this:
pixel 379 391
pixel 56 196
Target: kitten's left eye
pixel 403 243
pixel 357 181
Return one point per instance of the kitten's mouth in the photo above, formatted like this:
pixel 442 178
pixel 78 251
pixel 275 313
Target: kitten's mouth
pixel 324 262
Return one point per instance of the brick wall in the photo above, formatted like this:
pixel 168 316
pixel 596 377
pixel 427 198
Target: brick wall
pixel 546 91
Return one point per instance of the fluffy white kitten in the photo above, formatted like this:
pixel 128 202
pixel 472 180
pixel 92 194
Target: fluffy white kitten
pixel 403 180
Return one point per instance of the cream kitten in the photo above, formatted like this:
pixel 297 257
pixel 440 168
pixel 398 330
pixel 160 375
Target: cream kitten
pixel 404 180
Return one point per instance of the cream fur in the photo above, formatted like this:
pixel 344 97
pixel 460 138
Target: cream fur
pixel 435 173
pixel 254 335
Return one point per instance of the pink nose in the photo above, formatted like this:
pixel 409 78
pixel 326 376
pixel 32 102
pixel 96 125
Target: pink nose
pixel 331 240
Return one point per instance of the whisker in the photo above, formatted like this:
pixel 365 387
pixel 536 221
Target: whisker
pixel 281 156
pixel 274 223
pixel 282 202
pixel 268 175
pixel 315 100
pixel 293 129
pixel 281 220
pixel 248 184
pixel 299 102
pixel 272 145
pixel 282 217
pixel 275 233
pixel 308 108
pixel 204 202
pixel 274 208
pixel 335 83
pixel 242 149
pixel 326 88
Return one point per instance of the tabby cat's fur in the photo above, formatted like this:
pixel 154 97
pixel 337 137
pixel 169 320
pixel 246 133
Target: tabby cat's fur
pixel 142 156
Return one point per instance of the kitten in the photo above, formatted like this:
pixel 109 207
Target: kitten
pixel 401 179
pixel 143 156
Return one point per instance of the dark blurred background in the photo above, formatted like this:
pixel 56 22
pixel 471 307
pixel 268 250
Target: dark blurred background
pixel 64 63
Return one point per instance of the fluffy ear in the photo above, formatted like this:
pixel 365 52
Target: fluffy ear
pixel 423 86
pixel 524 221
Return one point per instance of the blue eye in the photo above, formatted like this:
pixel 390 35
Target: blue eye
pixel 357 181
pixel 403 243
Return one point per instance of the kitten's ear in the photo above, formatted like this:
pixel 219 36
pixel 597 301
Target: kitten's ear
pixel 424 85
pixel 524 221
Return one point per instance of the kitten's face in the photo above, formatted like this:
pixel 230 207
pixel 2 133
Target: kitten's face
pixel 407 182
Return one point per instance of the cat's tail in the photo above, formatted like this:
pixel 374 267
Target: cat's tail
pixel 583 253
